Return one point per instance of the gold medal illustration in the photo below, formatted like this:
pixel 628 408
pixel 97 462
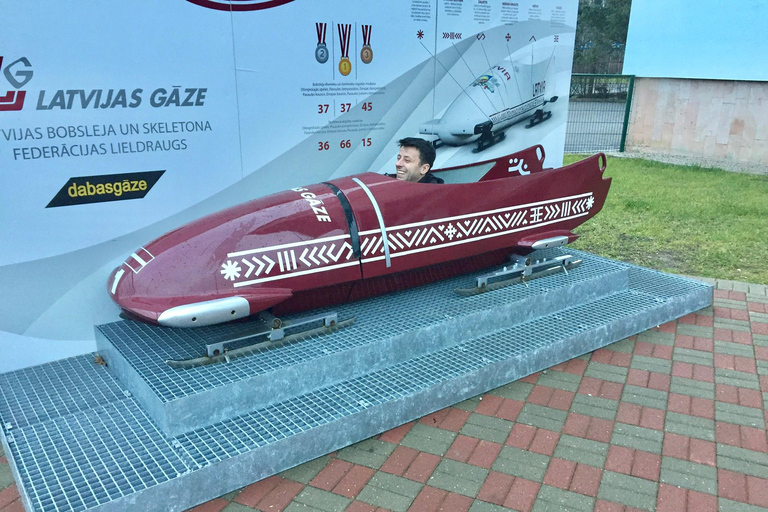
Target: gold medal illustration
pixel 345 31
pixel 345 67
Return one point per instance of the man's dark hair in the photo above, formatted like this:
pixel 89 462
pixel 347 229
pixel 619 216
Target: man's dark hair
pixel 426 150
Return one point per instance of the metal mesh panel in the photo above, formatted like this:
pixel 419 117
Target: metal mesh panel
pixel 375 317
pixel 36 394
pixel 652 281
pixel 596 113
pixel 229 438
pixel 89 458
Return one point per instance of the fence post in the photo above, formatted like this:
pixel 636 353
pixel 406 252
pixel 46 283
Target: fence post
pixel 627 109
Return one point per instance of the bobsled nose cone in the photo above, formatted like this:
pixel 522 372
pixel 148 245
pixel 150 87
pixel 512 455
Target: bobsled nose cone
pixel 118 283
pixel 121 288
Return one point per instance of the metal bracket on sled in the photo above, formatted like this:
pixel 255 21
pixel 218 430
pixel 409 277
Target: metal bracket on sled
pixel 539 116
pixel 274 332
pixel 487 136
pixel 522 269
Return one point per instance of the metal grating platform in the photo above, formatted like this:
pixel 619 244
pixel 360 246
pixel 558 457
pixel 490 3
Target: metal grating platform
pixel 94 457
pixel 146 347
pixel 249 431
pixel 385 333
pixel 96 449
pixel 53 390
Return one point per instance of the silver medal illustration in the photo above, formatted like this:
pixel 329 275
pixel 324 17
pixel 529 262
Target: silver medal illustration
pixel 321 53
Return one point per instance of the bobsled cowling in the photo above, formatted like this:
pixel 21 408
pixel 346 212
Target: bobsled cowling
pixel 353 237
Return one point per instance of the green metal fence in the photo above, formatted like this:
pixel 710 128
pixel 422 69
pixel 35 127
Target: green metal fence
pixel 598 112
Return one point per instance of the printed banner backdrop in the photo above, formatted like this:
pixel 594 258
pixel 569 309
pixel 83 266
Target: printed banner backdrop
pixel 121 122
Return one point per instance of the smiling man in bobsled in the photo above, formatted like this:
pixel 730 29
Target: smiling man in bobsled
pixel 415 160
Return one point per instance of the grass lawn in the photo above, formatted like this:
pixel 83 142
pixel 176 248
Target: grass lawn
pixel 682 219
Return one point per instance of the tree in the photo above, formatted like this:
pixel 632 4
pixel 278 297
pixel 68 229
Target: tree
pixel 601 36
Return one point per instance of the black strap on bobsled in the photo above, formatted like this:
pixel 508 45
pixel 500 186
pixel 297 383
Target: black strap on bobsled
pixel 350 216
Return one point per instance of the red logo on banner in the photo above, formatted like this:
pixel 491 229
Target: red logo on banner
pixel 18 73
pixel 12 100
pixel 239 5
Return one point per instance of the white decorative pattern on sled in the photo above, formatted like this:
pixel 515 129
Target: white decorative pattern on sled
pixel 273 263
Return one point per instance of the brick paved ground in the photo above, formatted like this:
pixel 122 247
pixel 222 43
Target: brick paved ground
pixel 673 419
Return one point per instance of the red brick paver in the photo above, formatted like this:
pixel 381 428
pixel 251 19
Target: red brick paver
pixel 674 499
pixel 397 434
pixel 271 494
pixel 8 496
pixel 354 481
pixel 216 505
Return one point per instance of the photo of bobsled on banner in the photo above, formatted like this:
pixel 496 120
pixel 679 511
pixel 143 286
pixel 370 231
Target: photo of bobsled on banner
pixel 519 88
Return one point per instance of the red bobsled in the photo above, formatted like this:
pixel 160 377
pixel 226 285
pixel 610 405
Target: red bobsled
pixel 355 237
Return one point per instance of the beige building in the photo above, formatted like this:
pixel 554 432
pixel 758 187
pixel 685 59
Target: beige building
pixel 711 121
pixel 701 87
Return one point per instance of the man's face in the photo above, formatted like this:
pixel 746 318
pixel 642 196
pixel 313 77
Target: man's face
pixel 408 165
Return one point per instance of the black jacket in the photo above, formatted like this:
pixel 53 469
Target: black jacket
pixel 431 178
pixel 427 178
